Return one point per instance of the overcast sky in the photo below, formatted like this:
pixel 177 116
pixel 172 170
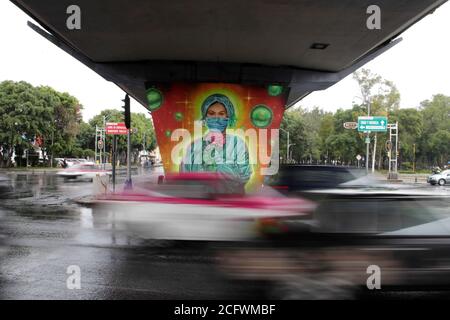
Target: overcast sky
pixel 419 66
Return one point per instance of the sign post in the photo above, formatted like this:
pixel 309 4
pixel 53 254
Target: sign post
pixel 114 162
pixel 393 151
pixel 367 152
pixel 358 157
pixel 350 125
pixel 370 124
pixel 115 129
pixel 99 145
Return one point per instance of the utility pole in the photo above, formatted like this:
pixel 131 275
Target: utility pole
pixel 414 158
pixel 95 157
pixel 99 144
pixel 368 139
pixel 51 160
pixel 128 182
pixel 114 159
pixel 104 143
pixel 393 156
pixel 374 155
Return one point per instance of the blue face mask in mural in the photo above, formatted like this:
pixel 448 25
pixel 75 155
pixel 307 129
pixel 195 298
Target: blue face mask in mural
pixel 216 123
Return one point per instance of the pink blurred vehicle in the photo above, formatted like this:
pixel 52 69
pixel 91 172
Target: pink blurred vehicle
pixel 201 206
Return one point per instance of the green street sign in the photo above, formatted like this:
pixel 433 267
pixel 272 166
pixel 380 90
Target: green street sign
pixel 373 124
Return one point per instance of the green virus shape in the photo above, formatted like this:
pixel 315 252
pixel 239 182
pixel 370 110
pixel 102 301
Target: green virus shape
pixel 154 99
pixel 168 133
pixel 178 116
pixel 261 116
pixel 274 90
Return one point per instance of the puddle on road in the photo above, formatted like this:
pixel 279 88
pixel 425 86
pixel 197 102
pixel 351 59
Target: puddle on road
pixel 42 207
pixel 45 209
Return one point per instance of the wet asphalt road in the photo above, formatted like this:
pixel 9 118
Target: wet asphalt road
pixel 41 235
pixel 44 231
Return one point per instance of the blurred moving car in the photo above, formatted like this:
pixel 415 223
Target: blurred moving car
pixel 356 228
pixel 83 171
pixel 201 207
pixel 297 178
pixel 441 178
pixel 69 162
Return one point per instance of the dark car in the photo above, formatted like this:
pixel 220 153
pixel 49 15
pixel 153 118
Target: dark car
pixel 297 178
pixel 402 232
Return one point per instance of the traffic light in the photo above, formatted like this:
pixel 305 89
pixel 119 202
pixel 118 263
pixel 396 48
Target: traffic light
pixel 127 111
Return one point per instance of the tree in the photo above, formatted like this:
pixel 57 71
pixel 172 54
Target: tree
pixel 343 146
pixel 326 129
pixel 383 97
pixel 26 115
pixel 36 114
pixel 436 118
pixel 65 123
pixel 85 140
pixel 351 136
pixel 410 131
pixel 366 81
pixel 440 146
pixel 312 120
pixel 293 123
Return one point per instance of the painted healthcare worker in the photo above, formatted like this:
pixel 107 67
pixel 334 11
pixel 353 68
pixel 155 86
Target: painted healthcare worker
pixel 218 151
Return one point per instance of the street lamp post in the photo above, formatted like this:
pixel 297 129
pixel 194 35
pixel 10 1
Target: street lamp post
pixel 103 159
pixel 51 159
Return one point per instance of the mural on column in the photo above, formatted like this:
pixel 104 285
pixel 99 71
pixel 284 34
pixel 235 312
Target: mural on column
pixel 218 127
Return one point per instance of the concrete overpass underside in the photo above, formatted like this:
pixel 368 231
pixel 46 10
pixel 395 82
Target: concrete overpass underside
pixel 248 42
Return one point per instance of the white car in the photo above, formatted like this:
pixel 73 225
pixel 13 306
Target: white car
pixel 87 170
pixel 441 179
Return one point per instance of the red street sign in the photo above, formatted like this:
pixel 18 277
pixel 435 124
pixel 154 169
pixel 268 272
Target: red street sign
pixel 116 128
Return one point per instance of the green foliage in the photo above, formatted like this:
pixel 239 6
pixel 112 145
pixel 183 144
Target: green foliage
pixel 424 132
pixel 411 129
pixel 31 114
pixel 407 166
pixel 294 124
pixel 36 113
